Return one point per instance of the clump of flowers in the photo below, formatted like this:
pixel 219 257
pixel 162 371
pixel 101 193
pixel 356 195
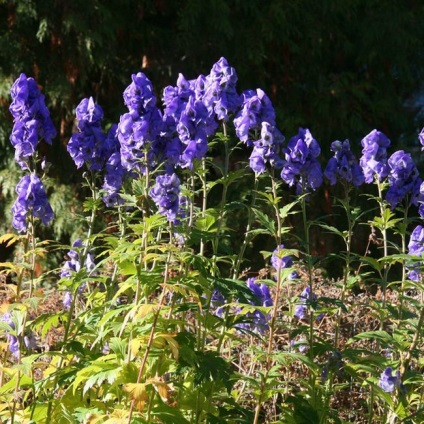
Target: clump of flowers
pixel 403 178
pixel 73 265
pixel 255 126
pixel 305 298
pixel 90 145
pixel 29 338
pixel 301 167
pixel 220 93
pixel 188 122
pixel 343 165
pixel 31 123
pixel 114 172
pixel 11 339
pixel 280 261
pixel 389 382
pixel 165 194
pixel 31 202
pixel 256 108
pixel 266 149
pixel 258 320
pixel 139 127
pixel 32 120
pixel 217 302
pixel 374 156
pixel 416 248
pixel 192 132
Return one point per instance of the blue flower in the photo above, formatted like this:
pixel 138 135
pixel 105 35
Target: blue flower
pixel 389 382
pixel 139 96
pixel 114 173
pixel 416 248
pixel 301 167
pixel 259 321
pixel 138 128
pixel 305 298
pixel 374 156
pixel 266 149
pixel 403 179
pixel 343 165
pixel 32 200
pixel 91 146
pixel 73 265
pixel 191 129
pixel 256 109
pixel 165 194
pixel 32 120
pixel 217 301
pixel 220 94
pixel 279 261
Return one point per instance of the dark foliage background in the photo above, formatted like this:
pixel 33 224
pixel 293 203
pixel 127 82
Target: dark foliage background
pixel 340 68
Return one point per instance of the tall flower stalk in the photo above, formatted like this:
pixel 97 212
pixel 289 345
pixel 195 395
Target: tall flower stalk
pixel 32 123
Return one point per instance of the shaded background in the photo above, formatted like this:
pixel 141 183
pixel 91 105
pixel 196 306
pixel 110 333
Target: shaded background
pixel 340 68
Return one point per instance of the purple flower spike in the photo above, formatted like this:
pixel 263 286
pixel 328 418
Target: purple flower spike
pixel 138 96
pixel 416 248
pixel 217 300
pixel 301 307
pixel 343 165
pixel 31 119
pixel 278 261
pixel 32 200
pixel 221 95
pixel 416 242
pixel 374 156
pixel 67 300
pixel 256 109
pixel 73 265
pixel 267 149
pixel 389 382
pixel 87 112
pixel 13 345
pixel 91 146
pixel 263 298
pixel 301 167
pixel 165 194
pixel 140 127
pixel 403 178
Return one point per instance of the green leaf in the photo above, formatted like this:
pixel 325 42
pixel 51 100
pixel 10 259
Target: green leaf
pixel 380 335
pixel 168 415
pixel 9 239
pixel 265 221
pixel 46 322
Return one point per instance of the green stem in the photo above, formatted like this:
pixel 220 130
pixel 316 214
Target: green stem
pixel 247 235
pixel 272 324
pixel 309 271
pixel 406 361
pixel 348 242
pixel 306 226
pixel 385 246
pixel 403 238
pixel 204 200
pixel 82 259
pixel 224 192
pixel 152 332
